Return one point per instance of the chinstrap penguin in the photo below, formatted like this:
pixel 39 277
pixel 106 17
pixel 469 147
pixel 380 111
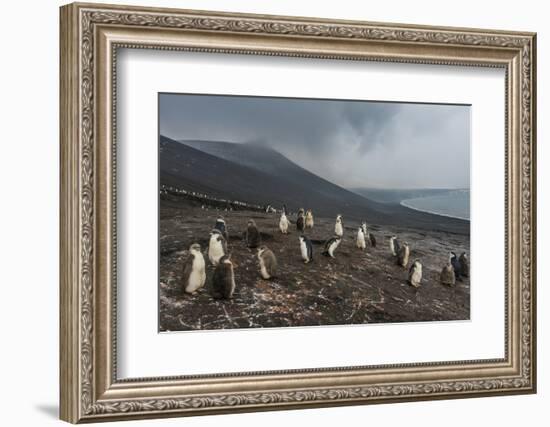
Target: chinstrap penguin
pixel 339 226
pixel 283 223
pixel 415 273
pixel 309 219
pixel 223 280
pixel 194 271
pixel 464 264
pixel 331 245
pixel 360 241
pixel 372 240
pixel 403 255
pixel 456 265
pixel 306 249
pixel 301 221
pixel 447 275
pixel 364 228
pixel 268 262
pixel 220 225
pixel 217 246
pixel 253 237
pixel 394 245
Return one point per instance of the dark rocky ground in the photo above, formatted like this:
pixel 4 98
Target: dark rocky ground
pixel 354 288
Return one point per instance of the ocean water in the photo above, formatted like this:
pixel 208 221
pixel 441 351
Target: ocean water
pixel 454 203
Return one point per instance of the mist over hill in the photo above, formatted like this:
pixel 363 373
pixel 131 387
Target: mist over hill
pixel 256 175
pixel 255 156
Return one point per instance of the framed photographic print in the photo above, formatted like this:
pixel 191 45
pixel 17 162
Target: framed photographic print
pixel 265 212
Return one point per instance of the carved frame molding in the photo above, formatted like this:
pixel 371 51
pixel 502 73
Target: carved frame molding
pixel 90 36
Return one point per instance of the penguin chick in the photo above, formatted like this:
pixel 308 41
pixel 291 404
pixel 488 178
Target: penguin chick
pixel 331 245
pixel 309 219
pixel 361 244
pixel 394 245
pixel 306 249
pixel 464 264
pixel 403 255
pixel 453 259
pixel 283 223
pixel 301 221
pixel 223 280
pixel 339 226
pixel 194 272
pixel 415 273
pixel 372 240
pixel 217 246
pixel 253 237
pixel 447 276
pixel 268 262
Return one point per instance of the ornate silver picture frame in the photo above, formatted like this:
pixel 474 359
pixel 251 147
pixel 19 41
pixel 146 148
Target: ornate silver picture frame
pixel 91 36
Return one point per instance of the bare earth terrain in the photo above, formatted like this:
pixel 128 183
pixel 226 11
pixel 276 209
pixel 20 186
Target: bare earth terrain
pixel 354 288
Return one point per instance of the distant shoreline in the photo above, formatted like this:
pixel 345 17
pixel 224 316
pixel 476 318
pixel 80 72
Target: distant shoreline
pixel 402 203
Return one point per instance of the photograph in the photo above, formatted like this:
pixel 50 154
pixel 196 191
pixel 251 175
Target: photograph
pixel 294 212
pixel 346 208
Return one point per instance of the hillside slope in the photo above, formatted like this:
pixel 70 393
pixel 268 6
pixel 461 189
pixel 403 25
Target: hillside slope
pixel 283 182
pixel 262 176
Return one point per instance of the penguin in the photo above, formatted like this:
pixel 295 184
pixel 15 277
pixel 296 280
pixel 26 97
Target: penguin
pixel 223 280
pixel 268 262
pixel 464 264
pixel 453 259
pixel 300 222
pixel 339 226
pixel 306 248
pixel 361 244
pixel 415 273
pixel 447 276
pixel 364 227
pixel 252 236
pixel 309 219
pixel 331 245
pixel 372 240
pixel 403 255
pixel 194 271
pixel 394 245
pixel 220 225
pixel 217 246
pixel 283 223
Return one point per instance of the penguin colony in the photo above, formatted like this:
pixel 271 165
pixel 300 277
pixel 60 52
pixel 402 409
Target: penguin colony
pixel 223 280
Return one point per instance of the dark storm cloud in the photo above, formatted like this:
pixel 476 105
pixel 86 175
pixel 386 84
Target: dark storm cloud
pixel 354 144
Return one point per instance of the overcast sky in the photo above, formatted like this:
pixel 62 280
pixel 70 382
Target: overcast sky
pixel 353 144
